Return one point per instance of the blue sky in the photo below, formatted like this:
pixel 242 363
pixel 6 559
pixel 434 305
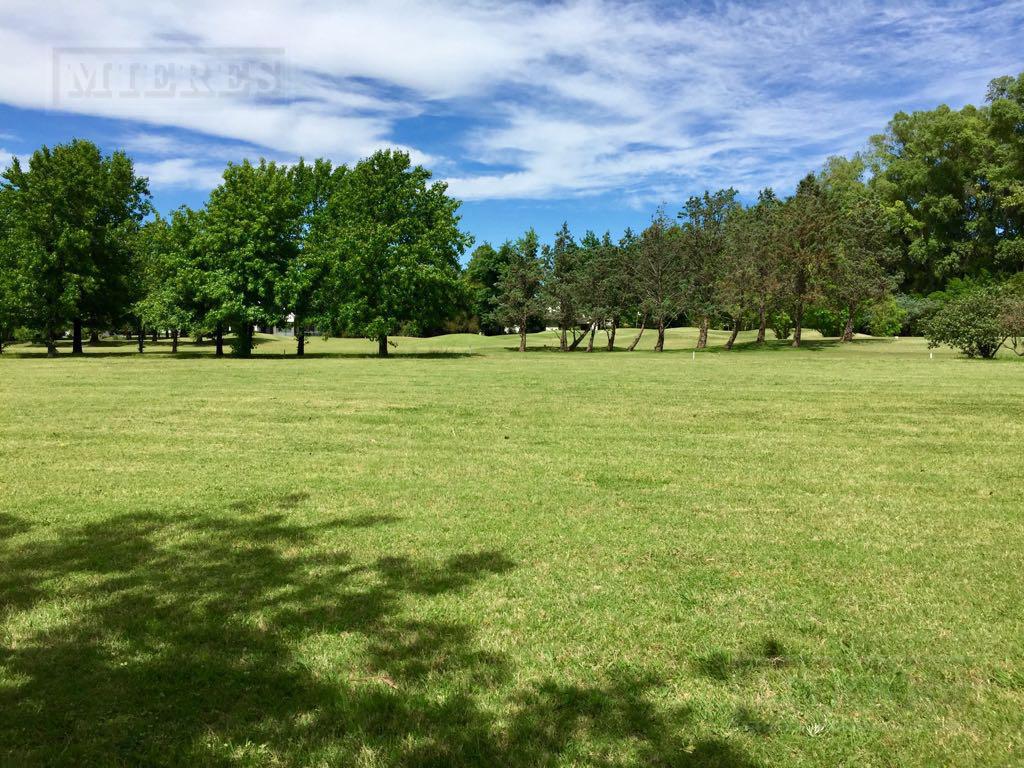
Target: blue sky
pixel 590 111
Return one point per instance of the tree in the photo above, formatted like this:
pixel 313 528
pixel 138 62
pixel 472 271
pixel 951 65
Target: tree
pixel 519 297
pixel 73 215
pixel 658 277
pixel 1005 169
pixel 302 291
pixel 251 230
pixel 617 291
pixel 10 287
pixel 927 168
pixel 162 269
pixel 394 243
pixel 864 250
pixel 564 268
pixel 806 230
pixel 704 241
pixel 751 278
pixel 482 275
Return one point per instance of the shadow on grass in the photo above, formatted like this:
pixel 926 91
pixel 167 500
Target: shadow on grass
pixel 228 639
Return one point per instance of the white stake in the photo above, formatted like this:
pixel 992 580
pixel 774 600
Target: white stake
pixel 931 355
pixel 695 354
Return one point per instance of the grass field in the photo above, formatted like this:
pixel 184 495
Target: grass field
pixel 465 556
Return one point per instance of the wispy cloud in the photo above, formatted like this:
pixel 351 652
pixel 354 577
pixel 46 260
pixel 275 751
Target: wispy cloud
pixel 538 100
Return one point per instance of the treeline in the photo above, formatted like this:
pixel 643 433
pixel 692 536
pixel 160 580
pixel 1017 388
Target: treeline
pixel 922 233
pixel 369 250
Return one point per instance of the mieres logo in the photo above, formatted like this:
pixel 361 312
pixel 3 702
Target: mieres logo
pixel 184 72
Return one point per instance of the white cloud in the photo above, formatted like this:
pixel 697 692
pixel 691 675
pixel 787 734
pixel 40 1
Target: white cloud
pixel 181 173
pixel 554 99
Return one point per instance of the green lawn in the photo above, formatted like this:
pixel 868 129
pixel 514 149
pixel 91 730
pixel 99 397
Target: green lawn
pixel 466 556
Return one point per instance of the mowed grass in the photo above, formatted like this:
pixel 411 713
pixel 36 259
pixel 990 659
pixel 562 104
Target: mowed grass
pixel 467 556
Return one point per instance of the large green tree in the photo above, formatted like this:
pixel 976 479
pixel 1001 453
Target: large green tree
pixel 704 242
pixel 864 252
pixel 927 169
pixel 166 277
pixel 74 213
pixel 303 290
pixel 806 242
pixel 1005 171
pixel 250 232
pixel 565 271
pixel 520 299
pixel 658 276
pixel 394 242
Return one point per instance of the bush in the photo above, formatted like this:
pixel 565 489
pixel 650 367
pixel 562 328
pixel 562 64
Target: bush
pixel 27 336
pixel 825 321
pixel 886 318
pixel 971 322
pixel 781 324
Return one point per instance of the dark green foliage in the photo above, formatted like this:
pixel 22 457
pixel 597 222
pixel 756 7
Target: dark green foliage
pixel 482 275
pixel 520 301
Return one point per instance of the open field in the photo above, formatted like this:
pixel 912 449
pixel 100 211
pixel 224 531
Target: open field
pixel 464 556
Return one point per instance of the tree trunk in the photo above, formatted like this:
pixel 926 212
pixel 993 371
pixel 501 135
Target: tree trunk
pixel 702 337
pixel 156 336
pixel 218 337
pixel 593 331
pixel 522 336
pixel 563 343
pixel 734 334
pixel 51 345
pixel 300 350
pixel 94 337
pixel 636 340
pixel 76 338
pixel 174 341
pixel 848 330
pixel 611 335
pixel 798 323
pixel 243 344
pixel 382 346
pixel 576 341
pixel 659 345
pixel 762 321
pixel 141 336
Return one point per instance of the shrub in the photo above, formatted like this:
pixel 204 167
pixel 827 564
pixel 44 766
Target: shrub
pixel 782 325
pixel 917 312
pixel 886 318
pixel 970 322
pixel 824 320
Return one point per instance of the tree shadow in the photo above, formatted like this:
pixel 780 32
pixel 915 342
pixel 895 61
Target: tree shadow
pixel 160 639
pixel 724 665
